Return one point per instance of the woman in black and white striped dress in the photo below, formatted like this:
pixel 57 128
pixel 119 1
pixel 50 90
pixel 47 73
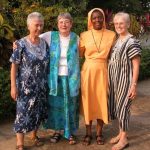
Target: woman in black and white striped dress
pixel 123 70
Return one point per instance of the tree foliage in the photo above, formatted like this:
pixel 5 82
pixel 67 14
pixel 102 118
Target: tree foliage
pixel 6 31
pixel 130 6
pixel 7 106
pixel 6 36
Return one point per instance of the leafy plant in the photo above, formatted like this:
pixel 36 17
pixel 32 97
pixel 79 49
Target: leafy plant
pixel 6 31
pixel 145 63
pixel 134 26
pixel 6 36
pixel 7 106
pixel 50 17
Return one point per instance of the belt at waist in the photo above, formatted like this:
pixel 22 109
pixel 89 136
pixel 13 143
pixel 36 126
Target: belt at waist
pixel 96 60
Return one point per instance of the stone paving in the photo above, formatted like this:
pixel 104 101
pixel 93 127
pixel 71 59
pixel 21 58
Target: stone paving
pixel 139 133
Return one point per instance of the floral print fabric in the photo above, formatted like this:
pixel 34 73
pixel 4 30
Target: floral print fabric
pixel 32 85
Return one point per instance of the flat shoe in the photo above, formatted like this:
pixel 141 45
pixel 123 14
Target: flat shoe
pixel 100 140
pixel 37 141
pixel 87 140
pixel 55 138
pixel 114 140
pixel 120 146
pixel 20 147
pixel 72 140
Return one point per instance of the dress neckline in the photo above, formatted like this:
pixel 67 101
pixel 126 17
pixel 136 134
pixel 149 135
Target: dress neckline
pixel 97 31
pixel 31 44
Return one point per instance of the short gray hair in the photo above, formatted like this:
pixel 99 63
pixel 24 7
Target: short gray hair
pixel 126 16
pixel 34 15
pixel 65 16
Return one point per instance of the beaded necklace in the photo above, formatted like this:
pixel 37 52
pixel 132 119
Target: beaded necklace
pixel 97 47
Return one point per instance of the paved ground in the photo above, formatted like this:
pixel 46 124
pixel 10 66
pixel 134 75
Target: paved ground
pixel 139 134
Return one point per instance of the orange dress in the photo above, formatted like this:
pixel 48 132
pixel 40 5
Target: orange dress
pixel 94 83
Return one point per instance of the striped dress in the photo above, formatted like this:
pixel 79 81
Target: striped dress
pixel 120 79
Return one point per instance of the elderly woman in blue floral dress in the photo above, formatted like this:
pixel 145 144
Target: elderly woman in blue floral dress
pixel 29 66
pixel 64 80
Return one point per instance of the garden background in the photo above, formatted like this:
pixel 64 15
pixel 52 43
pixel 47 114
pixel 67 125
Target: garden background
pixel 13 14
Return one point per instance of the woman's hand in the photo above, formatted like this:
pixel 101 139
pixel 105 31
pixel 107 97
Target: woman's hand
pixel 132 92
pixel 14 93
pixel 135 64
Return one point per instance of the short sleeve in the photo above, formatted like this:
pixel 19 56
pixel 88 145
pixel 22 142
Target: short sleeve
pixel 81 46
pixel 134 48
pixel 16 55
pixel 47 37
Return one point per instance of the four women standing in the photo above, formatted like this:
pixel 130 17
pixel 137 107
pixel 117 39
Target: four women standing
pixel 64 77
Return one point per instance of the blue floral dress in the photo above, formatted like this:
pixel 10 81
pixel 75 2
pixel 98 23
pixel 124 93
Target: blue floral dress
pixel 31 81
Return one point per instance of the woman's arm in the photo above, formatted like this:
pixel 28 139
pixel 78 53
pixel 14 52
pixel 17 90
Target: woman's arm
pixel 136 64
pixel 81 46
pixel 47 37
pixel 14 91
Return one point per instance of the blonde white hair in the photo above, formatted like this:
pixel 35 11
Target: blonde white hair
pixel 124 15
pixel 65 16
pixel 34 15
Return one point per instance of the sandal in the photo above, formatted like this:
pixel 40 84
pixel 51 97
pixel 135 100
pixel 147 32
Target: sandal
pixel 100 140
pixel 55 138
pixel 114 140
pixel 20 147
pixel 120 145
pixel 72 140
pixel 87 140
pixel 37 141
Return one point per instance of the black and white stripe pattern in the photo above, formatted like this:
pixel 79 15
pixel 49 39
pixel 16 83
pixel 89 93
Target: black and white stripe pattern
pixel 120 78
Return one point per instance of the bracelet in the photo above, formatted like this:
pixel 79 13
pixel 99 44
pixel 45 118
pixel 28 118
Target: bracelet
pixel 134 84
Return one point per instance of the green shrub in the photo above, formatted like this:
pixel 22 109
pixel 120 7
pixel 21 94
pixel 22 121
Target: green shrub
pixel 7 106
pixel 50 14
pixel 79 24
pixel 6 36
pixel 145 65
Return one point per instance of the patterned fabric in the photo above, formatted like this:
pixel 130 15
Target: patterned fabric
pixel 120 79
pixel 63 110
pixel 72 62
pixel 32 86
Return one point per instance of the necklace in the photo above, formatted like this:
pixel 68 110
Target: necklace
pixel 98 47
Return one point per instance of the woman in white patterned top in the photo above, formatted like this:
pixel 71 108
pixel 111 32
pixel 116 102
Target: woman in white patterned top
pixel 123 71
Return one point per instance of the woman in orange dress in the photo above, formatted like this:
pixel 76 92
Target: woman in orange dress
pixel 95 45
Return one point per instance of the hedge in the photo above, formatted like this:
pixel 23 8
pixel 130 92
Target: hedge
pixel 7 105
pixel 145 65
